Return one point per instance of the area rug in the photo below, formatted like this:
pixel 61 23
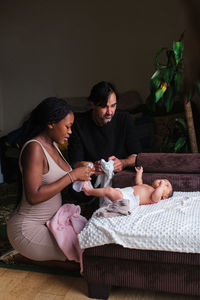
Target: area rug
pixel 12 260
pixel 8 202
pixel 33 268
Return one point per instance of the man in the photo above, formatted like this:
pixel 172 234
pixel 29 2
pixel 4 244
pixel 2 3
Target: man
pixel 103 132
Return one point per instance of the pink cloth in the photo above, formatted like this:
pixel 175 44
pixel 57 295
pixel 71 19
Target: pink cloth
pixel 65 225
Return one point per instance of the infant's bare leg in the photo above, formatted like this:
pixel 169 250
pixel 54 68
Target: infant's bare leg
pixel 113 194
pixel 109 192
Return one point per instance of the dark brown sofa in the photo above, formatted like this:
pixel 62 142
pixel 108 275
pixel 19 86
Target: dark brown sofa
pixel 112 265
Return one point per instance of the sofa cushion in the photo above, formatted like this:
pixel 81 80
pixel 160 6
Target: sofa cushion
pixel 180 182
pixel 128 101
pixel 169 162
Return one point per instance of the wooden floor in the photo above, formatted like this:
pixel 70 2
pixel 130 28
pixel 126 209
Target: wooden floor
pixel 25 285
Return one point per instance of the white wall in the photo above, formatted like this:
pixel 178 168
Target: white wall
pixel 62 48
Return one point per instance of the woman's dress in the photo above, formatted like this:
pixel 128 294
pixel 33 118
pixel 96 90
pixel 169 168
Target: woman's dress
pixel 26 228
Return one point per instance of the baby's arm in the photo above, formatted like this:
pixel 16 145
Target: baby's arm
pixel 158 192
pixel 138 177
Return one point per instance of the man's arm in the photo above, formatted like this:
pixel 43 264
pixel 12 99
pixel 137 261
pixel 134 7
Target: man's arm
pixel 120 164
pixel 129 161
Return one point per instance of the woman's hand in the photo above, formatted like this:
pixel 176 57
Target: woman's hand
pixel 82 173
pixel 82 164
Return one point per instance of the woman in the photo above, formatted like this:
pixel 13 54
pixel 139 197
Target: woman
pixel 45 172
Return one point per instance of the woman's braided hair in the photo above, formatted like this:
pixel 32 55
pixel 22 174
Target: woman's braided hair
pixel 50 110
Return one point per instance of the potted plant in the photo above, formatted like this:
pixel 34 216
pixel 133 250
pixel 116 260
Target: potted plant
pixel 166 88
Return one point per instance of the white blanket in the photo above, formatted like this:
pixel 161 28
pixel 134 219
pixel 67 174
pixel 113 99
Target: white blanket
pixel 170 225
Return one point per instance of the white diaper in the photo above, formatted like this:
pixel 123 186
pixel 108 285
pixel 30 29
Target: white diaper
pixel 128 193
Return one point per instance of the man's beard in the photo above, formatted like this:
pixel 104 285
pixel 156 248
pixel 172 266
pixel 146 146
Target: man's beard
pixel 105 120
pixel 100 121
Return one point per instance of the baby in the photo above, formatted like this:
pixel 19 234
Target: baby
pixel 138 194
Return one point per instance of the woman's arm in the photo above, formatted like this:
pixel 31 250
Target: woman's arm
pixel 33 161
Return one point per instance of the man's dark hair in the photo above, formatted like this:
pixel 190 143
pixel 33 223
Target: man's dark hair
pixel 100 93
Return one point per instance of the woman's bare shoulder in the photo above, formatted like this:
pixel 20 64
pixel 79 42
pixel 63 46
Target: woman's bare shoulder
pixel 32 150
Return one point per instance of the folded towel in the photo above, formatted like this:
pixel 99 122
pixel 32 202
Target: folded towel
pixel 116 208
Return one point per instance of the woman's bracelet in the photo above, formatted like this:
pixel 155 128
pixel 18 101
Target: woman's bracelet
pixel 70 176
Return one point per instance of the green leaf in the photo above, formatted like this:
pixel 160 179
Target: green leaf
pixel 179 144
pixel 178 51
pixel 178 81
pixel 182 122
pixel 155 81
pixel 171 146
pixel 168 99
pixel 159 93
pixel 171 62
pixel 167 74
pixel 156 57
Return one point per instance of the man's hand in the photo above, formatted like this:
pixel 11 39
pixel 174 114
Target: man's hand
pixel 97 167
pixel 118 165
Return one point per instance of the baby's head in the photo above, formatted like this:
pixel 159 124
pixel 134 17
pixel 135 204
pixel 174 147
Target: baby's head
pixel 167 191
